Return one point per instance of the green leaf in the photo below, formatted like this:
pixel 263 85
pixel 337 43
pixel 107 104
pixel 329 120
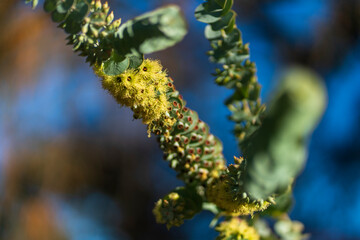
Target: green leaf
pixel 232 23
pixel 214 6
pixel 193 199
pixel 233 37
pixel 151 32
pixel 116 65
pixel 227 7
pixel 276 152
pixel 221 3
pixel 65 6
pixel 135 60
pixel 204 14
pixel 73 25
pixel 224 21
pixel 58 17
pixel 50 5
pixel 211 34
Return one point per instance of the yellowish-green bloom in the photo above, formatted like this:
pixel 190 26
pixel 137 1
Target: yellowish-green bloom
pixel 143 90
pixel 236 229
pixel 227 192
pixel 221 194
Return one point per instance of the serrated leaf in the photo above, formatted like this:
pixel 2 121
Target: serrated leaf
pixel 116 65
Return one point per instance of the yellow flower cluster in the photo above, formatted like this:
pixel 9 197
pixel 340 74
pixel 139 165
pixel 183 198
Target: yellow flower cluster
pixel 236 229
pixel 143 90
pixel 221 194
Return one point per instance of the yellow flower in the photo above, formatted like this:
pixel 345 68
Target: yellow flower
pixel 143 90
pixel 220 193
pixel 236 229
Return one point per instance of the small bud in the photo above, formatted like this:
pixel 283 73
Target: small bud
pixel 104 34
pixel 244 195
pixel 238 160
pixel 116 23
pixel 174 164
pixel 106 7
pixel 85 28
pixel 94 31
pixel 76 47
pixel 110 18
pixel 97 4
pixel 170 156
pixel 271 200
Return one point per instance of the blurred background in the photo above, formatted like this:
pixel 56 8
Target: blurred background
pixel 75 166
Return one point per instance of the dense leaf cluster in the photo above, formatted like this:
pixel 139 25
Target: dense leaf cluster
pixel 237 72
pixel 93 33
